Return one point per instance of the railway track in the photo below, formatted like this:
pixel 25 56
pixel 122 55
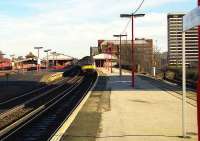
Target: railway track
pixel 14 101
pixel 42 122
pixel 174 90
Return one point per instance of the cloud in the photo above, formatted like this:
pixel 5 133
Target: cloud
pixel 158 3
pixel 73 26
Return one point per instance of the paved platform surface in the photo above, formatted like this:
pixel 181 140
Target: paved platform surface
pixel 116 112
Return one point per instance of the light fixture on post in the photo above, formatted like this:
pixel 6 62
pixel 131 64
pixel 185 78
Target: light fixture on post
pixel 38 62
pixel 120 37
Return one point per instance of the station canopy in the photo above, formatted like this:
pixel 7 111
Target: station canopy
pixel 104 56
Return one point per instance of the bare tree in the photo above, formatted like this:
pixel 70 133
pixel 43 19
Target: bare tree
pixel 30 55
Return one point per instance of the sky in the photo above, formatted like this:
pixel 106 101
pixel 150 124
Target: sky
pixel 72 26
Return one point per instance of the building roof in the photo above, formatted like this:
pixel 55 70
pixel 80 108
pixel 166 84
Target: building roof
pixel 175 13
pixel 117 42
pixel 25 60
pixel 104 56
pixel 59 57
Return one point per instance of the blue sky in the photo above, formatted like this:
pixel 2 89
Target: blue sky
pixel 72 26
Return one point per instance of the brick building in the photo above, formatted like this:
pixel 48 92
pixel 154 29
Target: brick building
pixel 143 52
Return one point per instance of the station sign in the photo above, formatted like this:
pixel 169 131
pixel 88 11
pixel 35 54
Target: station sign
pixel 191 19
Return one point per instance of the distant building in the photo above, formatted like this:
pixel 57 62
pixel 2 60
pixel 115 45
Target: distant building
pixel 59 60
pixel 175 24
pixel 104 60
pixel 25 64
pixel 143 52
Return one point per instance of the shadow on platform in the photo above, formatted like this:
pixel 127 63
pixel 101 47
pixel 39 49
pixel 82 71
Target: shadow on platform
pixel 142 83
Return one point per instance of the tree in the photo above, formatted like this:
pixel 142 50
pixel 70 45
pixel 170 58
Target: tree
pixel 20 58
pixel 30 55
pixel 1 54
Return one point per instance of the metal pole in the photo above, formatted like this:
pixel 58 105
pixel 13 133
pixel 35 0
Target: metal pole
pixel 133 64
pixel 47 61
pixel 184 87
pixel 53 60
pixel 111 59
pixel 108 60
pixel 120 67
pixel 38 61
pixel 198 83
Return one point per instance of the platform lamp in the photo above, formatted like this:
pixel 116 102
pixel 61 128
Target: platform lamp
pixel 53 53
pixel 13 60
pixel 47 64
pixel 132 16
pixel 120 37
pixel 57 54
pixel 2 54
pixel 38 49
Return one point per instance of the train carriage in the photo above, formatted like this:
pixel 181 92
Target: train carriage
pixel 87 64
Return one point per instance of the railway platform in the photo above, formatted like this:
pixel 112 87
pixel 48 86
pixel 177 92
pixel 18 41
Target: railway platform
pixel 116 112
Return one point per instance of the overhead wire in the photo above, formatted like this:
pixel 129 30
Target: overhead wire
pixel 133 13
pixel 138 7
pixel 126 26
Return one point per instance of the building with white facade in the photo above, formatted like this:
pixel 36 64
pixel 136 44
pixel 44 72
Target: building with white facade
pixel 175 27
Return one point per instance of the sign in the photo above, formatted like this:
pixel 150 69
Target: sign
pixel 191 19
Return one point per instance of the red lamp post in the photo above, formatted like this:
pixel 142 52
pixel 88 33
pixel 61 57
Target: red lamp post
pixel 119 51
pixel 110 51
pixel 132 16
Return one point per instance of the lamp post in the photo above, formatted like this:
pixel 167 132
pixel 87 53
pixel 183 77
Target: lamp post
pixel 53 53
pixel 120 40
pixel 57 54
pixel 2 54
pixel 110 52
pixel 47 64
pixel 13 61
pixel 132 16
pixel 38 48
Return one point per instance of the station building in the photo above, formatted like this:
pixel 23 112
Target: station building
pixel 58 61
pixel 25 64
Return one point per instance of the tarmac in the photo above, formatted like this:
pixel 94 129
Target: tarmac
pixel 117 112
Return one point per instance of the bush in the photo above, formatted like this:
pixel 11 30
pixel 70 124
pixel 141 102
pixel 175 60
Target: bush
pixel 191 73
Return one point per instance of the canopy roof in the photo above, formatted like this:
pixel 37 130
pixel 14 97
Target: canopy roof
pixel 104 56
pixel 59 57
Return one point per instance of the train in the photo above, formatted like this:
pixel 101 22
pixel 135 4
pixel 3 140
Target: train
pixel 87 64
